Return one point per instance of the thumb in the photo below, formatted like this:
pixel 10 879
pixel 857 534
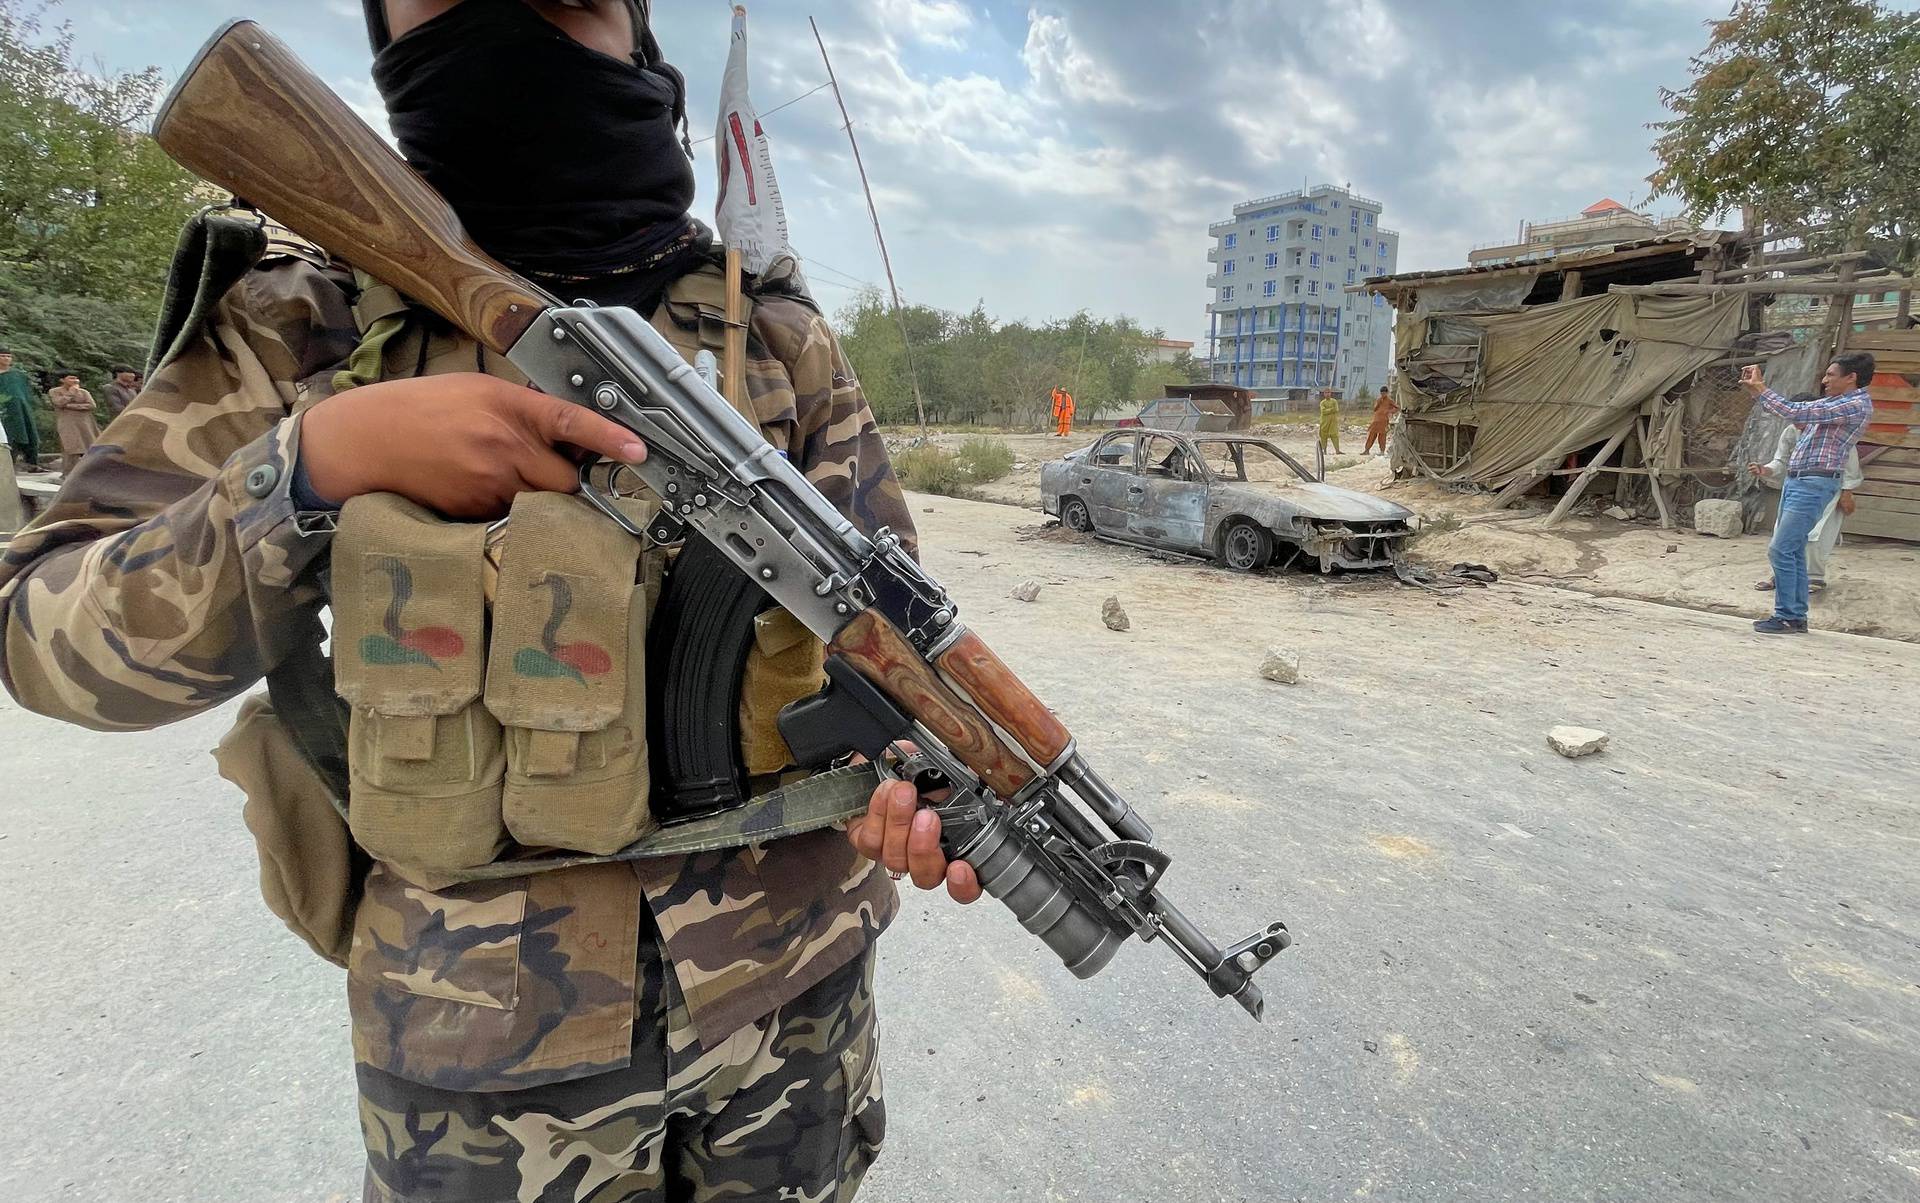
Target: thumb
pixel 558 422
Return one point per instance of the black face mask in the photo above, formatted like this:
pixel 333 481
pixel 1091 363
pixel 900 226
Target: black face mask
pixel 561 161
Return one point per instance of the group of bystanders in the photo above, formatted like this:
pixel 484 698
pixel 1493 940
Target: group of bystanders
pixel 76 416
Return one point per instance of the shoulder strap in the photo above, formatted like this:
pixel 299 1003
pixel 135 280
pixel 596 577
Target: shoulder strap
pixel 807 805
pixel 219 245
pixel 380 314
pixel 301 687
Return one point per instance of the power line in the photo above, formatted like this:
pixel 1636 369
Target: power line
pixel 776 108
pixel 834 271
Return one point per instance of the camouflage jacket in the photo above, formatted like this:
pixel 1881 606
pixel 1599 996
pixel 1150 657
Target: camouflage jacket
pixel 170 575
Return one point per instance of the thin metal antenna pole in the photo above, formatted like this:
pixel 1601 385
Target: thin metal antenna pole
pixel 913 374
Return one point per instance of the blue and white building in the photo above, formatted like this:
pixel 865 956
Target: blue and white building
pixel 1282 321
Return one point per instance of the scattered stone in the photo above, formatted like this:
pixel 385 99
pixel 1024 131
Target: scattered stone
pixel 1720 519
pixel 1370 1045
pixel 1281 666
pixel 1672 547
pixel 1575 742
pixel 1113 615
pixel 1026 591
pixel 1617 512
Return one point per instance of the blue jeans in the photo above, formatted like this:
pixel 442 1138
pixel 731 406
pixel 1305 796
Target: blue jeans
pixel 1802 501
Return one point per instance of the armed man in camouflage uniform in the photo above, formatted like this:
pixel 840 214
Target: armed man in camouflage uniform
pixel 688 1028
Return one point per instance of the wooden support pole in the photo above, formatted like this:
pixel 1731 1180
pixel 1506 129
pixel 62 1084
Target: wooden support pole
pixel 1904 310
pixel 1592 469
pixel 1842 315
pixel 1640 428
pixel 1808 288
pixel 733 372
pixel 1570 285
pixel 1787 265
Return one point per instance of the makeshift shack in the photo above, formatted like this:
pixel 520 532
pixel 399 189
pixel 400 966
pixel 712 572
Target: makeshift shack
pixel 1545 375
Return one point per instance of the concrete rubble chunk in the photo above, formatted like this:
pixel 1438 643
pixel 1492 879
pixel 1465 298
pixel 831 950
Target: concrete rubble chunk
pixel 1113 615
pixel 1618 513
pixel 1575 742
pixel 1719 518
pixel 1026 591
pixel 1281 666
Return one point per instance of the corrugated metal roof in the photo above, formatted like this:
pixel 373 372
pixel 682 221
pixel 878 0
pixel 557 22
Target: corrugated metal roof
pixel 1701 240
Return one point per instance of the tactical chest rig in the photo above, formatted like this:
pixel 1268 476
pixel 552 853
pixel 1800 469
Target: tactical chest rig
pixel 550 682
pixel 500 700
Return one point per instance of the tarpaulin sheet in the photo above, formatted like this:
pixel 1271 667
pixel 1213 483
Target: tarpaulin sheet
pixel 1556 378
pixel 1474 294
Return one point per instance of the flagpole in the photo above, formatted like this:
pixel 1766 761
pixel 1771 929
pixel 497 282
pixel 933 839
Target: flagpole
pixel 913 375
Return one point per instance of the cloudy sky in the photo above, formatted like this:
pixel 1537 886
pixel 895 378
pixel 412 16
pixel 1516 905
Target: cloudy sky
pixel 1046 156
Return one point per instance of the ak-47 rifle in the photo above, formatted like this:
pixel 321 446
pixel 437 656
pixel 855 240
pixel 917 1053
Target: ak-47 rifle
pixel 1044 833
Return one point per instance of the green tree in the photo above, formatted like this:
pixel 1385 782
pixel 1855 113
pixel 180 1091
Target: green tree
pixel 1808 111
pixel 976 370
pixel 89 205
pixel 90 208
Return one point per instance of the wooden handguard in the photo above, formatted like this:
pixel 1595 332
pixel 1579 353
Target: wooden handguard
pixel 249 116
pixel 882 655
pixel 1005 698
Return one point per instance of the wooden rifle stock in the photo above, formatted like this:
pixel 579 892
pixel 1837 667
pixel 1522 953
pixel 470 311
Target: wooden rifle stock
pixel 250 117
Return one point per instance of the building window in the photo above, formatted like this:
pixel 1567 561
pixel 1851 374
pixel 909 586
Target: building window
pixel 1230 241
pixel 1367 242
pixel 1313 286
pixel 1226 269
pixel 1296 288
pixel 1226 294
pixel 1273 233
pixel 1383 250
pixel 1316 231
pixel 1268 289
pixel 1273 259
pixel 1369 219
pixel 1349 275
pixel 1353 252
pixel 1313 260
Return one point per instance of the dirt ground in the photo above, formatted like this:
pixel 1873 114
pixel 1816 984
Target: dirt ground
pixel 1685 969
pixel 1874 583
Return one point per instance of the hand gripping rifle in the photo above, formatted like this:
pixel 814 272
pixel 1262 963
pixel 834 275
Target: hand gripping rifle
pixel 1044 833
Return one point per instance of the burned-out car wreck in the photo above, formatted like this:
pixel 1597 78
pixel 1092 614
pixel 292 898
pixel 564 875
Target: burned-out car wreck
pixel 1234 498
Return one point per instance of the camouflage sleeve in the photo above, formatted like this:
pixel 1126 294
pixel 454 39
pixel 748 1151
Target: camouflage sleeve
pixel 832 437
pixel 168 575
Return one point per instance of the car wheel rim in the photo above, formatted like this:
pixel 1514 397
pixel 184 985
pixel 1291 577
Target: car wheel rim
pixel 1241 547
pixel 1076 517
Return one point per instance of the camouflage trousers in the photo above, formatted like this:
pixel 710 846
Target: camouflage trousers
pixel 787 1108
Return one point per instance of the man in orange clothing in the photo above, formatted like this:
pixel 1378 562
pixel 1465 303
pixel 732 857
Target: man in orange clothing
pixel 1383 411
pixel 1062 412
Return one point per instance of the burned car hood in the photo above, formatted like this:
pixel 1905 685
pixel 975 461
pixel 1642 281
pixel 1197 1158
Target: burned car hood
pixel 1316 500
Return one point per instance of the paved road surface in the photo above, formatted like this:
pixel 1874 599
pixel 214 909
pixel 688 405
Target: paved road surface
pixel 1684 969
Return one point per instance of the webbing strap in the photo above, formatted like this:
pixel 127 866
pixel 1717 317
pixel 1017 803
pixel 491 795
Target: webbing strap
pixel 819 801
pixel 380 313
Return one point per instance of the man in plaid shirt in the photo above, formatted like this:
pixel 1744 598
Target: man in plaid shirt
pixel 1833 424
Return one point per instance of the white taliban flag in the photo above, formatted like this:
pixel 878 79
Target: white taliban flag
pixel 749 214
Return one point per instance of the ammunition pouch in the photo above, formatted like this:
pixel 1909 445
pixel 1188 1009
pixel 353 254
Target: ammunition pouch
pixel 567 677
pixel 426 760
